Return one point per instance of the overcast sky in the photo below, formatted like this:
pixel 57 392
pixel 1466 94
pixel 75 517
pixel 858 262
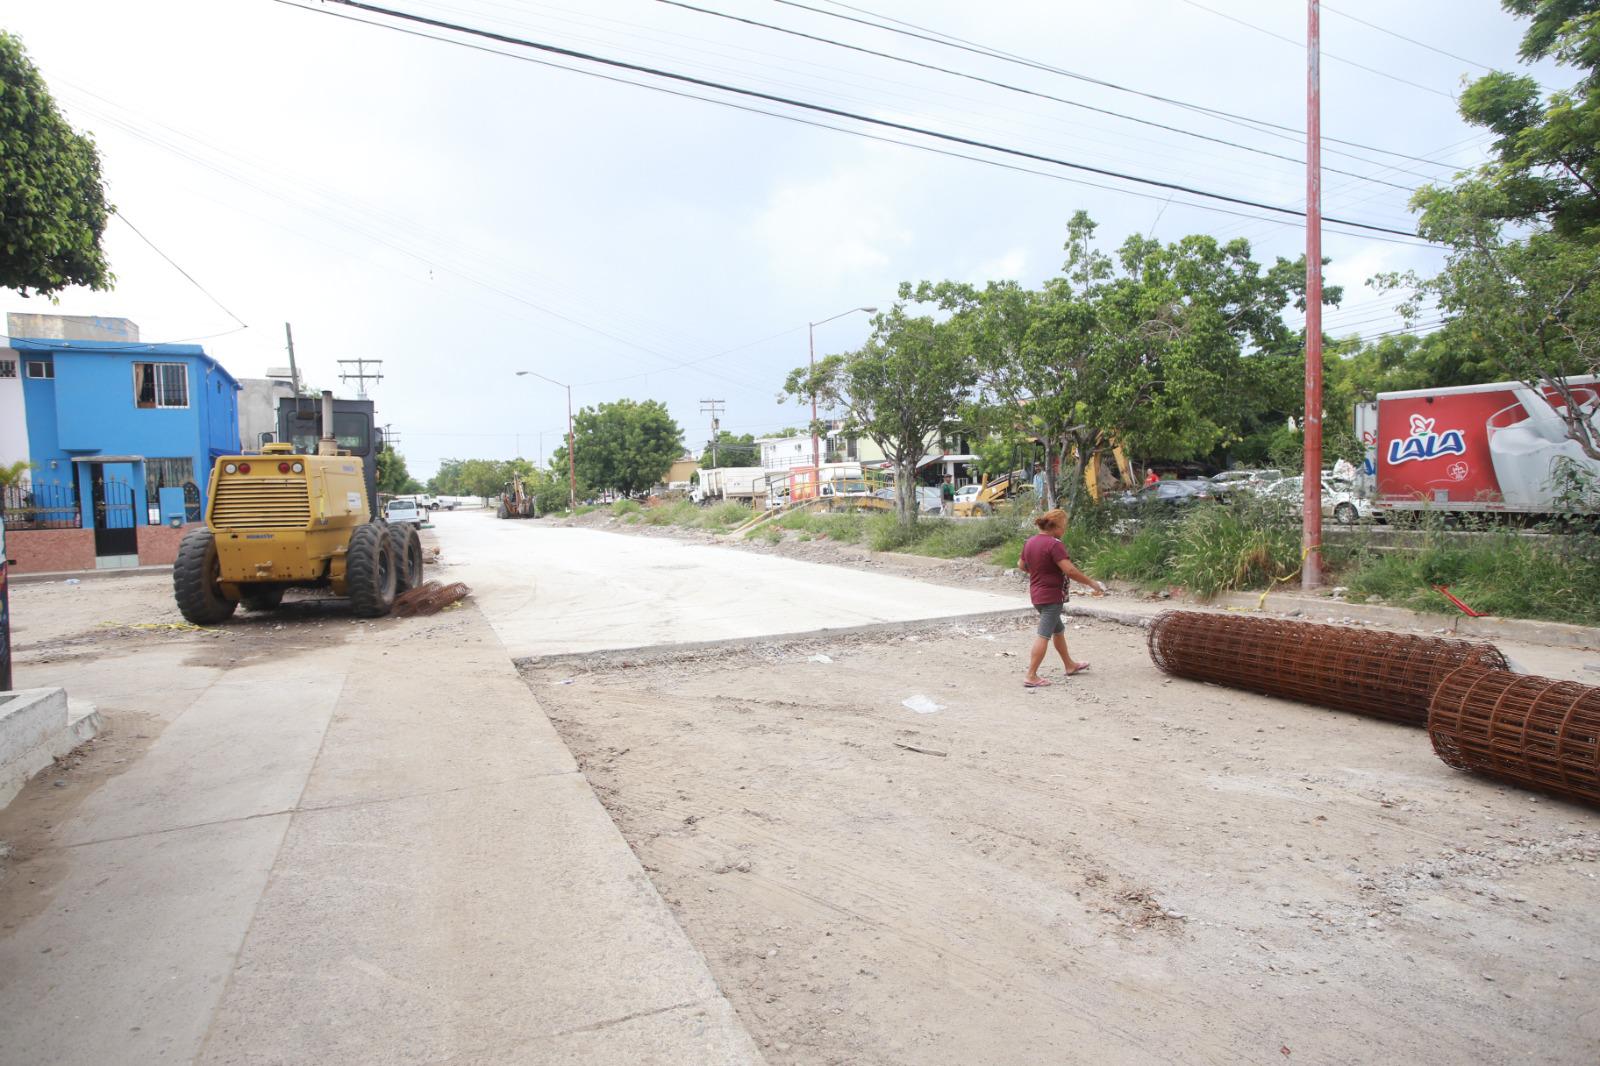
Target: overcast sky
pixel 461 216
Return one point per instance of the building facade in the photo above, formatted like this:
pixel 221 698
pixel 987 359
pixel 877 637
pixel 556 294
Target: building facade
pixel 118 435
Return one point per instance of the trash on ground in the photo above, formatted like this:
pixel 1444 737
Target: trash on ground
pixel 819 658
pixel 921 704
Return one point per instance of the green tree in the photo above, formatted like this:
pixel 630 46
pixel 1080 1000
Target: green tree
pixel 53 209
pixel 625 447
pixel 732 450
pixel 393 477
pixel 1521 279
pixel 909 380
pixel 1145 348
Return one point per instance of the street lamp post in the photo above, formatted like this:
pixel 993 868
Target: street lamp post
pixel 811 328
pixel 572 469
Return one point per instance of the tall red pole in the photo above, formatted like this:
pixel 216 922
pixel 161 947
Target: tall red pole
pixel 1311 427
pixel 572 467
pixel 816 459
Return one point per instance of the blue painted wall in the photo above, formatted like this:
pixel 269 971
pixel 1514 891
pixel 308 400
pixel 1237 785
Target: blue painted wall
pixel 90 408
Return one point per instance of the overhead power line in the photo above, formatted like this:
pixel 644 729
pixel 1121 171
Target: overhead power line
pixel 1021 89
pixel 174 263
pixel 1325 54
pixel 933 36
pixel 586 57
pixel 1403 37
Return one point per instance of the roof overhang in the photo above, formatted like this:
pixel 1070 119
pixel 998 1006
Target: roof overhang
pixel 108 458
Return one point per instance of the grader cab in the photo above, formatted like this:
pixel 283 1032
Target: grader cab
pixel 283 520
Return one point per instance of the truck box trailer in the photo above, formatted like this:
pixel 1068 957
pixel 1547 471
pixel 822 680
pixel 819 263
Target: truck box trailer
pixel 1496 448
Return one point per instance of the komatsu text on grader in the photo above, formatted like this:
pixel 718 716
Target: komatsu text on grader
pixel 299 515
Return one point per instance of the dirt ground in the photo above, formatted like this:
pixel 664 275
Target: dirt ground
pixel 1123 868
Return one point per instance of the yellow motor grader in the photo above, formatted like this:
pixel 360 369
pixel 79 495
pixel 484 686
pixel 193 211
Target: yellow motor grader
pixel 282 520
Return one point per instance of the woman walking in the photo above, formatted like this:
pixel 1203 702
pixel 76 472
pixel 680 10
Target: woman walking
pixel 1044 560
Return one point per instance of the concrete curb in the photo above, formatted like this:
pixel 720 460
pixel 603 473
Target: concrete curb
pixel 44 576
pixel 1316 608
pixel 38 726
pixel 701 648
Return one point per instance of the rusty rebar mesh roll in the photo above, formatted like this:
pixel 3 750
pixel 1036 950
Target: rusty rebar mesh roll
pixel 1530 731
pixel 1386 675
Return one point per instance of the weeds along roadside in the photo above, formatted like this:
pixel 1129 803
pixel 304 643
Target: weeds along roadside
pixel 1209 549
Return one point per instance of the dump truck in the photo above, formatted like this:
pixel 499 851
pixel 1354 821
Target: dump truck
pixel 296 517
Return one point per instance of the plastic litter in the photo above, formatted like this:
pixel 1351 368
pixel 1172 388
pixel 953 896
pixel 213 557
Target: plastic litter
pixel 921 704
pixel 819 658
pixel 71 581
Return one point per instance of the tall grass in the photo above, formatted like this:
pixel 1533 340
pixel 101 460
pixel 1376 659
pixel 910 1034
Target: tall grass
pixel 1503 573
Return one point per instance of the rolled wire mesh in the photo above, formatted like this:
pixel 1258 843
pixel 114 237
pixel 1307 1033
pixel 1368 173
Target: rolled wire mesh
pixel 1386 675
pixel 1530 731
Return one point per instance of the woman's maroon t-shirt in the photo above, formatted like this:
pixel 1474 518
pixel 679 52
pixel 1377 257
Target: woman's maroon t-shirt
pixel 1041 558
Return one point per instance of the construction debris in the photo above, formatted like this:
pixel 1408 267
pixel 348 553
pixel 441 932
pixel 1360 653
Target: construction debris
pixel 1385 675
pixel 429 598
pixel 1530 731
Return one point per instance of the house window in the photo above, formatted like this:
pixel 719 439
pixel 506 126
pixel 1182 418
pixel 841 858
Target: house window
pixel 160 385
pixel 38 368
pixel 8 368
pixel 166 474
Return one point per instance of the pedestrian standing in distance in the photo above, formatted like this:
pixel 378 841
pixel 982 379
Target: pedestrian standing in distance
pixel 1050 572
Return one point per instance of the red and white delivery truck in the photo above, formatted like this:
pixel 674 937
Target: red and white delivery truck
pixel 1496 448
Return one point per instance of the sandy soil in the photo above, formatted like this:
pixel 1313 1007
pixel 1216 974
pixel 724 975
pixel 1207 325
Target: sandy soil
pixel 1123 868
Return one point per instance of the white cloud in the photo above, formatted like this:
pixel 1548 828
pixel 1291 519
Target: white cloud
pixel 834 231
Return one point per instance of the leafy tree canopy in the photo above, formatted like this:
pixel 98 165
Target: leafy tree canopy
pixel 625 447
pixel 393 477
pixel 911 378
pixel 53 210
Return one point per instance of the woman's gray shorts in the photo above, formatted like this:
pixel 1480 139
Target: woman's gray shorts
pixel 1049 619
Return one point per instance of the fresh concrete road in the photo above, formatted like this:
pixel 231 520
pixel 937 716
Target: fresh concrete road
pixel 554 589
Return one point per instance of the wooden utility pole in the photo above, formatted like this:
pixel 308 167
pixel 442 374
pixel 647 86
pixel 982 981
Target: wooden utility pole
pixel 713 408
pixel 1311 425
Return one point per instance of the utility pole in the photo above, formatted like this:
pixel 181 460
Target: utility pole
pixel 713 408
pixel 391 437
pixel 294 371
pixel 1311 426
pixel 360 375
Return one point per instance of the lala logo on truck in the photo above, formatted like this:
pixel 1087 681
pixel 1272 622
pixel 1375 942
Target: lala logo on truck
pixel 1424 443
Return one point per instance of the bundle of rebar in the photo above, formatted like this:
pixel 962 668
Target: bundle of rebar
pixel 428 598
pixel 1371 672
pixel 1530 731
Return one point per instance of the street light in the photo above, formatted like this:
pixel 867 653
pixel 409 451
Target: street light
pixel 572 470
pixel 816 459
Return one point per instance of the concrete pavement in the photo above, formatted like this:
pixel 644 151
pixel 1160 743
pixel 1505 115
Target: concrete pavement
pixel 555 589
pixel 373 851
pixel 308 839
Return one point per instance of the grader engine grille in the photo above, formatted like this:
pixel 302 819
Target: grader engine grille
pixel 261 503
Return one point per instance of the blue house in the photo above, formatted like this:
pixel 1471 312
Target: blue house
pixel 128 430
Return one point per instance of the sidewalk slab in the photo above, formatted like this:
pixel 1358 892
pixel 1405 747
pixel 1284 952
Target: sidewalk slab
pixel 129 943
pixel 438 928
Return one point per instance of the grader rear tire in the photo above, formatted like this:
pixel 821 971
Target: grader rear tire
pixel 407 548
pixel 370 571
pixel 195 578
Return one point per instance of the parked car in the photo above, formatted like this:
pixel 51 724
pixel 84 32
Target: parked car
pixel 968 493
pixel 407 511
pixel 1231 481
pixel 1339 502
pixel 1170 494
